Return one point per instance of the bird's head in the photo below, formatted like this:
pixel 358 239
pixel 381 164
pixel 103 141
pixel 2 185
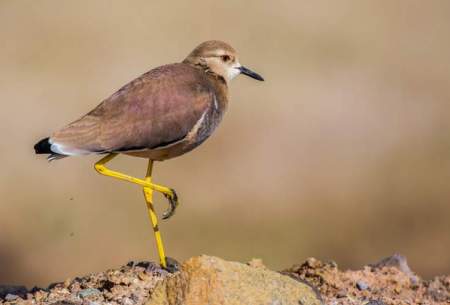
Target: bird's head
pixel 219 58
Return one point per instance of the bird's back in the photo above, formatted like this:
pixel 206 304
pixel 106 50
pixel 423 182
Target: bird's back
pixel 155 110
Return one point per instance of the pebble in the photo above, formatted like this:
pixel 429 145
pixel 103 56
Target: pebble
pixel 256 263
pixel 88 292
pixel 12 289
pixel 361 285
pixel 67 283
pixel 341 293
pixel 143 276
pixel 127 301
pixel 333 264
pixel 375 302
pixel 312 262
pixel 11 297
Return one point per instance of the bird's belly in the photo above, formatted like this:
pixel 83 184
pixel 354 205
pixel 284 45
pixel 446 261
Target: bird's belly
pixel 165 153
pixel 192 140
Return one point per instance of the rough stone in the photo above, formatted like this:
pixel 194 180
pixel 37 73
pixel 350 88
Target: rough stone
pixel 361 285
pixel 88 292
pixel 398 261
pixel 12 289
pixel 11 297
pixel 211 280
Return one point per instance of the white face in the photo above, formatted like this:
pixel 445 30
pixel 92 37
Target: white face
pixel 219 58
pixel 224 64
pixel 228 66
pixel 233 70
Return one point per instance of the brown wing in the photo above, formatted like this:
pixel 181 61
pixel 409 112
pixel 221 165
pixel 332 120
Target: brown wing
pixel 156 109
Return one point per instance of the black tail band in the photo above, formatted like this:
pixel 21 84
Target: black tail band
pixel 43 147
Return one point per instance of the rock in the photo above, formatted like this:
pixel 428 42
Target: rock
pixel 361 285
pixel 313 262
pixel 64 303
pixel 211 280
pixel 11 297
pixel 12 289
pixel 398 261
pixel 341 293
pixel 375 302
pixel 256 263
pixel 439 289
pixel 88 292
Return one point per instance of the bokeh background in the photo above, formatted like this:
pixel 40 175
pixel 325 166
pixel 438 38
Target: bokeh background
pixel 343 153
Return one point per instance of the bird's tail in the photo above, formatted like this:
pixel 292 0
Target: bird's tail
pixel 45 147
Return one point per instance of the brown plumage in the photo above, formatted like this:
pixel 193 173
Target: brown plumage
pixel 162 114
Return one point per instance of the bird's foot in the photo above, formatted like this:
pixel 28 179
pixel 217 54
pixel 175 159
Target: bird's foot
pixel 173 203
pixel 172 265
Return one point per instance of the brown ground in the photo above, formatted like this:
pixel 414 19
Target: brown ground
pixel 127 285
pixel 388 282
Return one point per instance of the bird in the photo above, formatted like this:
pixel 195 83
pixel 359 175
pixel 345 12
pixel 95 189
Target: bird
pixel 162 114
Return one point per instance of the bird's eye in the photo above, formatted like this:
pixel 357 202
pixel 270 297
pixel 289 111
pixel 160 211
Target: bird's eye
pixel 225 58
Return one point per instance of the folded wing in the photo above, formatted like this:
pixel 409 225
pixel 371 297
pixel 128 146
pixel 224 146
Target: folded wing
pixel 154 110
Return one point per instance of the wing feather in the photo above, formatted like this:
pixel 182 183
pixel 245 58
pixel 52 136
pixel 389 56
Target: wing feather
pixel 158 108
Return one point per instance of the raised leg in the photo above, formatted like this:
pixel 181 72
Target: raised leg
pixel 169 193
pixel 148 188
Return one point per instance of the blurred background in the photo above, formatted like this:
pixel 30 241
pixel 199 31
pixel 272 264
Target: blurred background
pixel 343 153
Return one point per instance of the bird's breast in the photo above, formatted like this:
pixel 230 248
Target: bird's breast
pixel 209 121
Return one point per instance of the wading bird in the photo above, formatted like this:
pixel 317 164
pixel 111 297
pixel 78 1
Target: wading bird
pixel 162 114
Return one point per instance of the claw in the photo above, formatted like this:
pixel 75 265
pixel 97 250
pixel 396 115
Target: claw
pixel 173 203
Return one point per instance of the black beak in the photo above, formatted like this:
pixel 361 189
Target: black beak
pixel 250 73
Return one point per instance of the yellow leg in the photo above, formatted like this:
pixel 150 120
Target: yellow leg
pixel 148 188
pixel 102 169
pixel 148 193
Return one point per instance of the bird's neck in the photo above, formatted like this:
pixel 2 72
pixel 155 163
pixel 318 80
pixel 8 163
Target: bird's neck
pixel 221 91
pixel 201 65
pixel 218 81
